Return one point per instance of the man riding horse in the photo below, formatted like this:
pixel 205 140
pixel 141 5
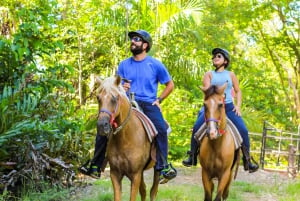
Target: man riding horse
pixel 144 73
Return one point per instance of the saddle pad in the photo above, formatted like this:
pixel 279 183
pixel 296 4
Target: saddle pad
pixel 147 123
pixel 201 132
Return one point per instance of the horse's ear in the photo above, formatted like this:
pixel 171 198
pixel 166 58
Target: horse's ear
pixel 97 82
pixel 117 80
pixel 221 89
pixel 202 88
pixel 205 91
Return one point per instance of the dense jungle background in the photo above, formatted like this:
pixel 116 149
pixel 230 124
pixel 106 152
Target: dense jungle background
pixel 50 51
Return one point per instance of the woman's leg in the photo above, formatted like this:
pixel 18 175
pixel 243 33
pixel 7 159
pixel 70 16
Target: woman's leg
pixel 240 125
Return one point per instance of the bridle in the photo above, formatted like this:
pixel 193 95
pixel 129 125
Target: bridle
pixel 112 117
pixel 217 121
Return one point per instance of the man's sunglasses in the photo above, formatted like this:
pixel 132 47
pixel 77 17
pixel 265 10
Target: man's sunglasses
pixel 136 39
pixel 219 56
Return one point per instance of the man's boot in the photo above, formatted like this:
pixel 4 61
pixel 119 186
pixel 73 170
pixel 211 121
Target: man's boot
pixel 248 166
pixel 192 160
pixel 93 167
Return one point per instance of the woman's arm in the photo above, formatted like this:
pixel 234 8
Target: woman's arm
pixel 206 80
pixel 238 94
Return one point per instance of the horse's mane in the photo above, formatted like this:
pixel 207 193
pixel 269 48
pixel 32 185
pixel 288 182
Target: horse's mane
pixel 212 89
pixel 109 85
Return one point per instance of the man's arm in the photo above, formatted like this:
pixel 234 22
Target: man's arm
pixel 165 93
pixel 167 90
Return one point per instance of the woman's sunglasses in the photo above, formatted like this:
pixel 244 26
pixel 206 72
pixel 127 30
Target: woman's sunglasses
pixel 136 39
pixel 219 56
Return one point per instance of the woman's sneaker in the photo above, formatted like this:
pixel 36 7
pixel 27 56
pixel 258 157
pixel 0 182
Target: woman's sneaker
pixel 167 174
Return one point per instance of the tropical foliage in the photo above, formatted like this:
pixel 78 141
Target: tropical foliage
pixel 49 50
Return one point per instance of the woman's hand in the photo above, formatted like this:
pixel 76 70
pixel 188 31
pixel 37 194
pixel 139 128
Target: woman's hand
pixel 237 110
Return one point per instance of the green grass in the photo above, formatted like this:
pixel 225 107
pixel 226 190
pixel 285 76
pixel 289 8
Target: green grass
pixel 37 192
pixel 290 192
pixel 172 191
pixel 101 190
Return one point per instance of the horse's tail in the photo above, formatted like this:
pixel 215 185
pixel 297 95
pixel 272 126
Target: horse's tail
pixel 236 162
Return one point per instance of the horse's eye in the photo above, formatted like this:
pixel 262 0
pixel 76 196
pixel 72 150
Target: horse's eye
pixel 99 98
pixel 114 100
pixel 220 105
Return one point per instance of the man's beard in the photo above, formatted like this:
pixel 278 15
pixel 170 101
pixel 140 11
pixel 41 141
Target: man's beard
pixel 136 50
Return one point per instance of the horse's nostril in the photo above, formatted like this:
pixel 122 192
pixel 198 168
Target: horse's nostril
pixel 103 126
pixel 106 125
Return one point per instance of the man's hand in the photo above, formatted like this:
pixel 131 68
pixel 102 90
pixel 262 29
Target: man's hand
pixel 156 102
pixel 126 86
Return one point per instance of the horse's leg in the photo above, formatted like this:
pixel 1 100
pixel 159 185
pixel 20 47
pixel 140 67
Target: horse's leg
pixel 142 188
pixel 154 188
pixel 117 184
pixel 208 185
pixel 135 185
pixel 226 189
pixel 224 182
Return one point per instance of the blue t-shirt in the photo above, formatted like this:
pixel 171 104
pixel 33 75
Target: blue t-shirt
pixel 219 78
pixel 145 76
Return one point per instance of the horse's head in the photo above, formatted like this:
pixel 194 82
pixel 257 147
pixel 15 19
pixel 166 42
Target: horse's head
pixel 109 95
pixel 214 106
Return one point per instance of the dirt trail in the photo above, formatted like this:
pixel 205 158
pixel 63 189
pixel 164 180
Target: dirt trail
pixel 193 176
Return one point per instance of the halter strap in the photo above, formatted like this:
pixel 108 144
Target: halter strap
pixel 124 122
pixel 112 121
pixel 212 119
pixel 220 131
pixel 106 111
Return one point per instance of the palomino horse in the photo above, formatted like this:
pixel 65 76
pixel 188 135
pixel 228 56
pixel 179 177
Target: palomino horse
pixel 128 148
pixel 217 150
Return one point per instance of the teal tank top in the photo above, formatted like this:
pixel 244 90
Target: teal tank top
pixel 219 78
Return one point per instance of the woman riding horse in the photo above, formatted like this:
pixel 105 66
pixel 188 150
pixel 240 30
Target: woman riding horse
pixel 219 76
pixel 217 150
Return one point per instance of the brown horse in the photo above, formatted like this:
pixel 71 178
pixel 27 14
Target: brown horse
pixel 128 148
pixel 217 150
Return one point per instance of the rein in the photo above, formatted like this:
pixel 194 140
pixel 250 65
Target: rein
pixel 112 120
